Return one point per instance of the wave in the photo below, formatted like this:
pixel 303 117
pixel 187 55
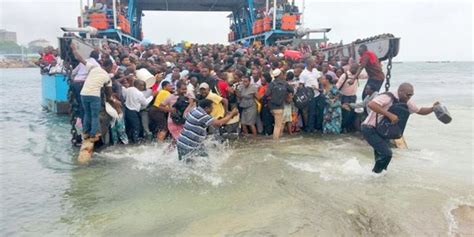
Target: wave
pixel 350 169
pixel 162 160
pixel 459 214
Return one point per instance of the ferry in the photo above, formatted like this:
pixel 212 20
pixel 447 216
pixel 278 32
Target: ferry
pixel 251 22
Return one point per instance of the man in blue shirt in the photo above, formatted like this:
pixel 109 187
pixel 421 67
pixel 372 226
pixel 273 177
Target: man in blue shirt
pixel 195 128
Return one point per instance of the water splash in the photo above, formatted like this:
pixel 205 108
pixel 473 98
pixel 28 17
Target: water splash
pixel 162 160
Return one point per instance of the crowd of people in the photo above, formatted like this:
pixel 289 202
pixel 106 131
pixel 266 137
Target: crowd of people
pixel 156 92
pixel 50 62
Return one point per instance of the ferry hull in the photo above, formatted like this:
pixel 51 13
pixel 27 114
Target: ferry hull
pixel 54 93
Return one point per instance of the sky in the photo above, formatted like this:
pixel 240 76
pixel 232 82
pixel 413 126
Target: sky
pixel 429 30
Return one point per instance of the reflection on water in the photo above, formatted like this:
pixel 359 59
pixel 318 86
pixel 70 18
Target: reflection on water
pixel 300 186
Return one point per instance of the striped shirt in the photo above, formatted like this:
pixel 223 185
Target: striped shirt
pixel 194 131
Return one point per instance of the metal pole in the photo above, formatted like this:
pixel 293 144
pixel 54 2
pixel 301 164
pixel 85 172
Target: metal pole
pixel 81 14
pixel 114 9
pixel 274 14
pixel 266 7
pixel 302 15
pixel 22 55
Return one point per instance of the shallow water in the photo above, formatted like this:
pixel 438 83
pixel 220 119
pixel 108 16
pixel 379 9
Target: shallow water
pixel 300 186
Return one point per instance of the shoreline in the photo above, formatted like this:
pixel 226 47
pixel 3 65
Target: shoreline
pixel 16 64
pixel 464 218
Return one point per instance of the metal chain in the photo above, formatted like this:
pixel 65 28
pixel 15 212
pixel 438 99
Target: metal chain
pixel 389 69
pixel 73 104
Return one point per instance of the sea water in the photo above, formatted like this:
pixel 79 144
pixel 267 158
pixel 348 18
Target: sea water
pixel 303 185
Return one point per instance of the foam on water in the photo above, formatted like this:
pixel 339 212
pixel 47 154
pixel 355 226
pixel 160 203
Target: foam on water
pixel 347 170
pixel 450 206
pixel 162 160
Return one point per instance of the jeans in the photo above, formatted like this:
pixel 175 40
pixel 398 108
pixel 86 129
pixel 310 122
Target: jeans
pixel 132 124
pixel 91 106
pixel 278 116
pixel 382 150
pixel 374 83
pixel 76 89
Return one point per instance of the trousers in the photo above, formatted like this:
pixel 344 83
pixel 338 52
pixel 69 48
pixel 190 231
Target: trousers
pixel 277 129
pixel 91 107
pixel 381 146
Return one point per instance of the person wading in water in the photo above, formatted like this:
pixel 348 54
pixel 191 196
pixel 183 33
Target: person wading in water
pixel 380 106
pixel 194 131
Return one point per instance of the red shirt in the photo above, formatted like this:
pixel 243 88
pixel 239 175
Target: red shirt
pixel 223 86
pixel 293 54
pixel 372 66
pixel 48 58
pixel 262 89
pixel 155 86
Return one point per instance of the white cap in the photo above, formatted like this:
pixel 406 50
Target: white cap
pixel 204 85
pixel 276 73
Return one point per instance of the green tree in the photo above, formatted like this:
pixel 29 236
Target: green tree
pixel 9 47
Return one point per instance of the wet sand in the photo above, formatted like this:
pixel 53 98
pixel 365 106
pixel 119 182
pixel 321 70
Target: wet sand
pixel 464 217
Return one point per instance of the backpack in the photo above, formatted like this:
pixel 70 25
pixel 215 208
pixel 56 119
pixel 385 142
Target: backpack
pixel 278 93
pixel 344 82
pixel 302 97
pixel 180 106
pixel 385 128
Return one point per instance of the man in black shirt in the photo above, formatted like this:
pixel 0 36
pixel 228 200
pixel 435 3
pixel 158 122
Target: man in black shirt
pixel 207 78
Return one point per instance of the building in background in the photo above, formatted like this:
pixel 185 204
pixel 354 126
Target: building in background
pixel 38 45
pixel 7 36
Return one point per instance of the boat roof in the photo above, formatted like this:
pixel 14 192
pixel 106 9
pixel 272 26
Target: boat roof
pixel 189 5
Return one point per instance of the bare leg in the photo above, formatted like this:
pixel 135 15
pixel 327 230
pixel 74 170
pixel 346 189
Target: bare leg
pixel 245 130
pixel 254 131
pixel 288 127
pixel 161 135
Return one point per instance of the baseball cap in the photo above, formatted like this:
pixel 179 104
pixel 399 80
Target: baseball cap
pixel 204 85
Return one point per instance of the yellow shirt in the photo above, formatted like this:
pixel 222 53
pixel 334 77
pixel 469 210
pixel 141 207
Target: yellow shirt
pixel 217 107
pixel 161 97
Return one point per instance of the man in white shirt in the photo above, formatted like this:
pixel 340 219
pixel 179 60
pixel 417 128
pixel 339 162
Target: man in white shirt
pixel 135 101
pixel 97 78
pixel 314 112
pixel 79 75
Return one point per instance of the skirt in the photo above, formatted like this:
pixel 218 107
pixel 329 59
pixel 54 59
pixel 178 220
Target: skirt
pixel 175 129
pixel 249 116
pixel 159 119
